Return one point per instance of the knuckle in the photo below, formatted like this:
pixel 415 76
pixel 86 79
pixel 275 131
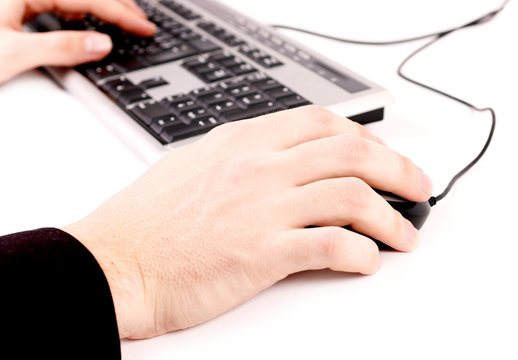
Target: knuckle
pixel 226 131
pixel 320 116
pixel 359 129
pixel 222 129
pixel 65 43
pixel 314 109
pixel 237 171
pixel 354 148
pixel 329 242
pixel 356 191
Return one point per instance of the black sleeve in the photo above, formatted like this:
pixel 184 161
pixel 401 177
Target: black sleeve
pixel 55 301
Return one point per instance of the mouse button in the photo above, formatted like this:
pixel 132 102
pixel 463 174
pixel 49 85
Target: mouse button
pixel 415 212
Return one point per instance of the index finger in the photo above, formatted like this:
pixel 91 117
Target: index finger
pixel 289 128
pixel 111 11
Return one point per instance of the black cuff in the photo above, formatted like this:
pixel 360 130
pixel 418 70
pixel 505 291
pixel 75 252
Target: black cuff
pixel 55 301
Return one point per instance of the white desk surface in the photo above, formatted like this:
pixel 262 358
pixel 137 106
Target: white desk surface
pixel 454 298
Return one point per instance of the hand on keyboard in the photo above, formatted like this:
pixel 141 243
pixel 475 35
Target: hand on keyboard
pixel 216 222
pixel 22 51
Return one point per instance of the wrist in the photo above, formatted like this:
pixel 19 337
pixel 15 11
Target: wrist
pixel 117 266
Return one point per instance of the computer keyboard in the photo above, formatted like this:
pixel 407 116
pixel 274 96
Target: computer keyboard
pixel 226 76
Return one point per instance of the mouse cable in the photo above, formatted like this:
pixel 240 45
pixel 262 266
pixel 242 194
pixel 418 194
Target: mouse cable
pixel 436 36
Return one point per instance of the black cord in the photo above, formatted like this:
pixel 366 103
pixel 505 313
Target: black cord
pixel 434 199
pixel 436 36
pixel 478 21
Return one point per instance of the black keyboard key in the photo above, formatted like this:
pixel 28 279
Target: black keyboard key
pixel 134 44
pixel 195 63
pixel 154 49
pixel 212 29
pixel 205 91
pixel 221 34
pixel 181 10
pixel 259 56
pixel 175 53
pixel 169 44
pixel 179 103
pixel 170 24
pixel 205 68
pixel 131 96
pixel 199 113
pixel 116 86
pixel 159 18
pixel 162 37
pixel 294 101
pixel 189 35
pixel 269 62
pixel 169 100
pixel 252 111
pixel 194 128
pixel 253 99
pixel 150 111
pixel 171 122
pixel 153 82
pixel 216 75
pixel 169 133
pixel 280 92
pixel 189 15
pixel 231 62
pixel 214 97
pixel 242 69
pixel 203 45
pixel 252 52
pixel 265 84
pixel 231 40
pixel 100 72
pixel 224 107
pixel 236 87
pixel 243 90
pixel 129 63
pixel 177 31
pixel 221 56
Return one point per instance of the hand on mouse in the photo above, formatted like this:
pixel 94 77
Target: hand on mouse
pixel 215 222
pixel 21 51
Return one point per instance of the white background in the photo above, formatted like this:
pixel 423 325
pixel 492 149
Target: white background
pixel 454 298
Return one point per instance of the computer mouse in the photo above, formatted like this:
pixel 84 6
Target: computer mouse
pixel 415 212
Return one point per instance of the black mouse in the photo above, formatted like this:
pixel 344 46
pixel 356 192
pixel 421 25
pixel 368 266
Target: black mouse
pixel 415 212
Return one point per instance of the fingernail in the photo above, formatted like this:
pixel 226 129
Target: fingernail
pixel 97 43
pixel 412 234
pixel 425 183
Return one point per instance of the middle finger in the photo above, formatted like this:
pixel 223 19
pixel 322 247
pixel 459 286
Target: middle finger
pixel 349 155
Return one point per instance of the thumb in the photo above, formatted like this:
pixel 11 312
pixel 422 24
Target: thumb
pixel 64 48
